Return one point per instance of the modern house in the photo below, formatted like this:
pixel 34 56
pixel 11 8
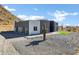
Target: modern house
pixel 35 26
pixel 9 22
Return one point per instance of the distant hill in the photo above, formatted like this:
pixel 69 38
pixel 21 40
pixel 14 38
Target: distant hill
pixel 7 20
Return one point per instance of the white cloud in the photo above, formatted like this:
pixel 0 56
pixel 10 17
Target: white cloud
pixel 75 13
pixel 10 9
pixel 36 17
pixel 67 24
pixel 61 15
pixel 24 17
pixel 64 25
pixel 77 24
pixel 35 9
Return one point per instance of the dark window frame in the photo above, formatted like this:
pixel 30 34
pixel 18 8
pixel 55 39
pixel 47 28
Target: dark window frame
pixel 35 28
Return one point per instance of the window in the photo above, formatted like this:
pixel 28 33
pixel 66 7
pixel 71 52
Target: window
pixel 35 28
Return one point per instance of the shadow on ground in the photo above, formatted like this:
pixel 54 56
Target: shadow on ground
pixel 12 34
pixel 33 43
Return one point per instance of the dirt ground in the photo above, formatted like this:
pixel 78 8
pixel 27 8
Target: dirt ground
pixel 6 48
pixel 54 45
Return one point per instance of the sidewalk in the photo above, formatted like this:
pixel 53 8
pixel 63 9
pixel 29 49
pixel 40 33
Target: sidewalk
pixel 6 48
pixel 34 36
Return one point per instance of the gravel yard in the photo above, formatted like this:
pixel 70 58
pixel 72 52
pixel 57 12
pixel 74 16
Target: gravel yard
pixel 54 45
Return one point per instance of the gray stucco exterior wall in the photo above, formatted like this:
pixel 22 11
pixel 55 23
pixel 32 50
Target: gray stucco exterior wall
pixel 53 26
pixel 24 25
pixel 47 23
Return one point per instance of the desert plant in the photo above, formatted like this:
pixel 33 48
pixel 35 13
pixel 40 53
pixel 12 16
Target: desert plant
pixel 44 32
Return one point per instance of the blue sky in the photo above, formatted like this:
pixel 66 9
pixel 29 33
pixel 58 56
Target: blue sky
pixel 66 14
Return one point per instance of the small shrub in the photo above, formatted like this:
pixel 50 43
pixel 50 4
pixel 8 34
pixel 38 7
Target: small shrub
pixel 63 33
